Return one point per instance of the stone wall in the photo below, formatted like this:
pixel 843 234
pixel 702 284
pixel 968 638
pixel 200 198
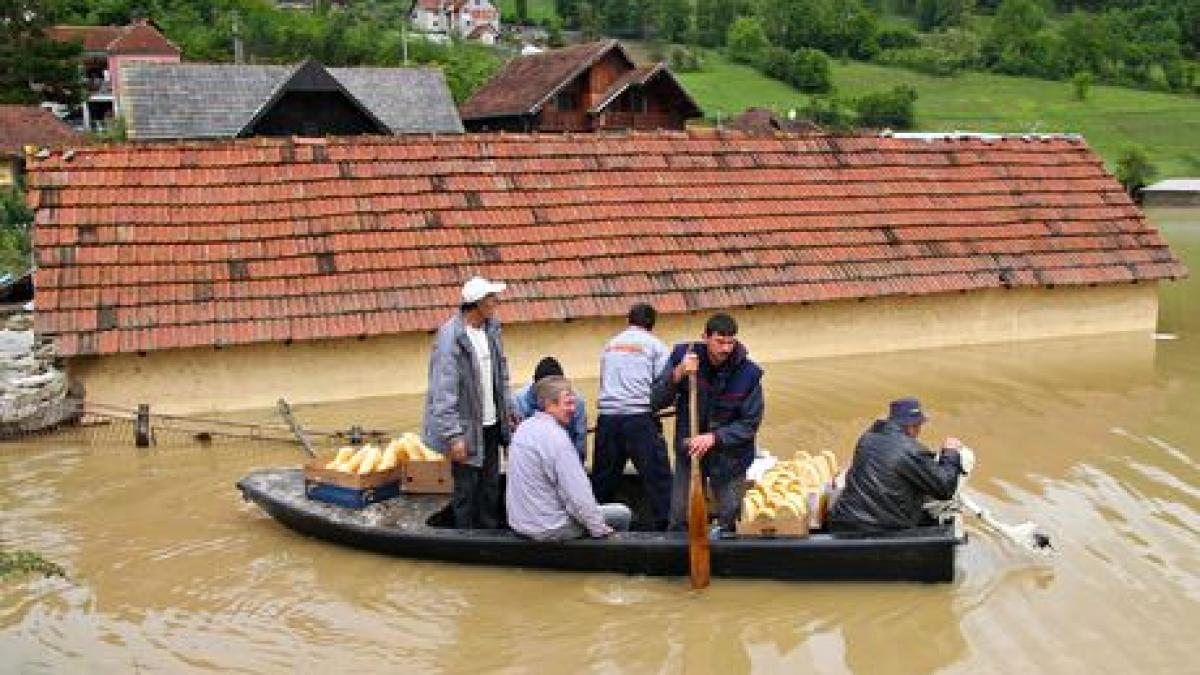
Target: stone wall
pixel 33 389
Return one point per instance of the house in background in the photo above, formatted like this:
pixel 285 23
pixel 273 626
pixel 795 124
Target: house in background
pixel 195 100
pixel 1181 192
pixel 470 19
pixel 105 48
pixel 28 125
pixel 588 87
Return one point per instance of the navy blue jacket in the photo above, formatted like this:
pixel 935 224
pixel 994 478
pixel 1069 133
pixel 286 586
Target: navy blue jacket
pixel 730 400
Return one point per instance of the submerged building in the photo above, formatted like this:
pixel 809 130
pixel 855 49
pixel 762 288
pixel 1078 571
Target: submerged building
pixel 225 274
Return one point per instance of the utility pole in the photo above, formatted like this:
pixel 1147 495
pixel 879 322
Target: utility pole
pixel 239 53
pixel 404 40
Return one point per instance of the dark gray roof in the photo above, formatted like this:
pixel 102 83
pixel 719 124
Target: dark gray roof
pixel 199 100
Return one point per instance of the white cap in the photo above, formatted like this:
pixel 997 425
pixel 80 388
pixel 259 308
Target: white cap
pixel 477 288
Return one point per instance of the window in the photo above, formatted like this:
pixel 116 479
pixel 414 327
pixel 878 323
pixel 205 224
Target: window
pixel 567 100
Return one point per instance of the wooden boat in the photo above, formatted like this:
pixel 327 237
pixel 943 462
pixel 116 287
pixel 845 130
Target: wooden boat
pixel 401 527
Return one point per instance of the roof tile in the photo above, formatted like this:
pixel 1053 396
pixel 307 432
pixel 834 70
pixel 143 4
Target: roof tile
pixel 284 248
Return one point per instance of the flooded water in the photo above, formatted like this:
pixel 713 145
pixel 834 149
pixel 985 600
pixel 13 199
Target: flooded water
pixel 1095 439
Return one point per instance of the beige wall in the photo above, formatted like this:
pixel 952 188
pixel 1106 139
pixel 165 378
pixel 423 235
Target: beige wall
pixel 8 171
pixel 254 376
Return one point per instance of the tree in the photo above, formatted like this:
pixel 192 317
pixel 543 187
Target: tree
pixel 1012 44
pixel 522 7
pixel 675 20
pixel 895 109
pixel 34 68
pixel 933 14
pixel 15 221
pixel 1134 169
pixel 554 36
pixel 746 40
pixel 714 17
pixel 774 62
pixel 589 23
pixel 808 70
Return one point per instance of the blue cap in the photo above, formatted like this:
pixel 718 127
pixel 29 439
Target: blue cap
pixel 906 412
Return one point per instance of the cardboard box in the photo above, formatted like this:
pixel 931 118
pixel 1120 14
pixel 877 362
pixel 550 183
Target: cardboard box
pixel 316 471
pixel 796 528
pixel 430 478
pixel 351 490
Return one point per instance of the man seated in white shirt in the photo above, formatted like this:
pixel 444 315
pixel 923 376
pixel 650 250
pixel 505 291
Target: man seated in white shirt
pixel 549 496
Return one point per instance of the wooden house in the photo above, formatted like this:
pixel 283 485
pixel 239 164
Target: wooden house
pixel 589 87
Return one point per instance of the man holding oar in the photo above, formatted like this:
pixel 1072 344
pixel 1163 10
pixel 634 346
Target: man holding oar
pixel 729 409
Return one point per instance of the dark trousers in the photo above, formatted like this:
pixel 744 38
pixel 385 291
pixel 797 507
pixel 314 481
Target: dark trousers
pixel 621 438
pixel 726 481
pixel 476 495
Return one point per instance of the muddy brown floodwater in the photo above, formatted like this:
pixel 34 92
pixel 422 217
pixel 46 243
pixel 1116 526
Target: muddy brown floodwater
pixel 1096 439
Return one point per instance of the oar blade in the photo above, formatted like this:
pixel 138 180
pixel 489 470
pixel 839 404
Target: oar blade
pixel 699 552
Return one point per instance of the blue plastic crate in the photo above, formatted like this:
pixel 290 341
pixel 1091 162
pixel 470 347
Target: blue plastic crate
pixel 352 498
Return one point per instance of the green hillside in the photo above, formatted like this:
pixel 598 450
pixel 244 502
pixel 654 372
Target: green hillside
pixel 539 10
pixel 1166 125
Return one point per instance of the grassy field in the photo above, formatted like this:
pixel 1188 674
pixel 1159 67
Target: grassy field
pixel 538 9
pixel 1166 125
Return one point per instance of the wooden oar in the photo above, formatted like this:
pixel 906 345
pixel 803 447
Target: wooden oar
pixel 699 555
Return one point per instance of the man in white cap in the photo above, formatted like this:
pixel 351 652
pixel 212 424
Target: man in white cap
pixel 466 407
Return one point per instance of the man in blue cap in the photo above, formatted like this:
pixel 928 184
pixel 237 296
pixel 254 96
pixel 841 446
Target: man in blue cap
pixel 892 475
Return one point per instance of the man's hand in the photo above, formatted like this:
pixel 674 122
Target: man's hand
pixel 458 451
pixel 700 445
pixel 952 443
pixel 690 364
pixel 966 458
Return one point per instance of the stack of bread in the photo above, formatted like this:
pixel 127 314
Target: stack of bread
pixel 370 458
pixel 793 490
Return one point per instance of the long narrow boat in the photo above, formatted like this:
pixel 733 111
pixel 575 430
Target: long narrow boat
pixel 401 527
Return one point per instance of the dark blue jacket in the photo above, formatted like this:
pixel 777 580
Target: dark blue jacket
pixel 730 400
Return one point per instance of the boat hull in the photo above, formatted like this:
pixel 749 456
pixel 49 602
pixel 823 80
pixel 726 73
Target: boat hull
pixel 923 554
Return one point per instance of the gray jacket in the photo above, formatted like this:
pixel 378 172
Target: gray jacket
pixel 453 406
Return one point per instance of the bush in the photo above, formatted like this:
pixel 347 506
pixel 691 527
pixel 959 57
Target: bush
pixel 775 62
pixel 685 59
pixel 1134 169
pixel 893 109
pixel 922 60
pixel 1081 84
pixel 746 40
pixel 898 38
pixel 15 221
pixel 808 70
pixel 830 112
pixel 942 54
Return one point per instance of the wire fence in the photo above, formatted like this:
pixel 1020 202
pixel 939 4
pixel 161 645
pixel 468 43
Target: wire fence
pixel 141 427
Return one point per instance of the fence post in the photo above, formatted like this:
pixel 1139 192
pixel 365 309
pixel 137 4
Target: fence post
pixel 141 430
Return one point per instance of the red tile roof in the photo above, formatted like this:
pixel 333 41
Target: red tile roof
pixel 136 38
pixel 157 247
pixel 22 125
pixel 527 82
